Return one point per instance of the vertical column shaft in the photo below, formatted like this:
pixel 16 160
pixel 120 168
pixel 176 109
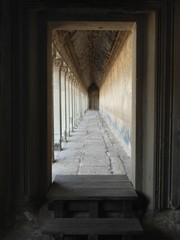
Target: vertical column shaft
pixel 60 111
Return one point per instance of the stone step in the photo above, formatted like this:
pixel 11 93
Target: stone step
pixel 87 187
pixel 94 208
pixel 93 227
pixel 94 194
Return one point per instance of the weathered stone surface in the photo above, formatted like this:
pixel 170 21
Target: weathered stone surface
pixel 95 171
pixel 94 163
pixel 89 150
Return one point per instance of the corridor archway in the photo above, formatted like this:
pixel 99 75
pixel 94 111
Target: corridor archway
pixel 114 76
pixel 93 93
pixel 100 64
pixel 145 96
pixel 133 141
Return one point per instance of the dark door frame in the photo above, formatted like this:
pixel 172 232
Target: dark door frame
pixel 39 158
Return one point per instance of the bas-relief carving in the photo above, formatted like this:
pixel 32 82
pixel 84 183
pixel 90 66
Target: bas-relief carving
pixel 64 69
pixel 58 62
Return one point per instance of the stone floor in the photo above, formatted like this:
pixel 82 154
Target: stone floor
pixel 92 149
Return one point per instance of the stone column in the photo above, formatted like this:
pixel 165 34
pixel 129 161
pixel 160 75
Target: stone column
pixel 72 103
pixel 76 104
pixel 60 105
pixel 68 75
pixel 57 63
pixel 81 104
pixel 65 69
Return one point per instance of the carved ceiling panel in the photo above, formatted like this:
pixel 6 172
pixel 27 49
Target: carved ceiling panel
pixel 89 51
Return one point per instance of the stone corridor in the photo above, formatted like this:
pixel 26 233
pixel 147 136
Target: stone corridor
pixel 91 149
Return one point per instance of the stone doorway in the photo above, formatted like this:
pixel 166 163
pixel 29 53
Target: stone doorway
pixel 93 93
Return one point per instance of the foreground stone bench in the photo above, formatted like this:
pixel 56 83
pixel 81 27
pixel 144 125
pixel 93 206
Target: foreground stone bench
pixel 93 228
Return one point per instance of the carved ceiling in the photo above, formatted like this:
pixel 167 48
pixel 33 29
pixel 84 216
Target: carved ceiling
pixel 89 52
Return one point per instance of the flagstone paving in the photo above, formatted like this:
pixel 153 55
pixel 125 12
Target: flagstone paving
pixel 89 150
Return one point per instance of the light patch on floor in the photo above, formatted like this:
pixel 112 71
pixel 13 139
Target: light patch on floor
pixel 91 149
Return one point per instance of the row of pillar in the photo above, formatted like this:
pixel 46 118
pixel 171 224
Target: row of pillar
pixel 70 102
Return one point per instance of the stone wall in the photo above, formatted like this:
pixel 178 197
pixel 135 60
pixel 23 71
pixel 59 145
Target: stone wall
pixel 116 95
